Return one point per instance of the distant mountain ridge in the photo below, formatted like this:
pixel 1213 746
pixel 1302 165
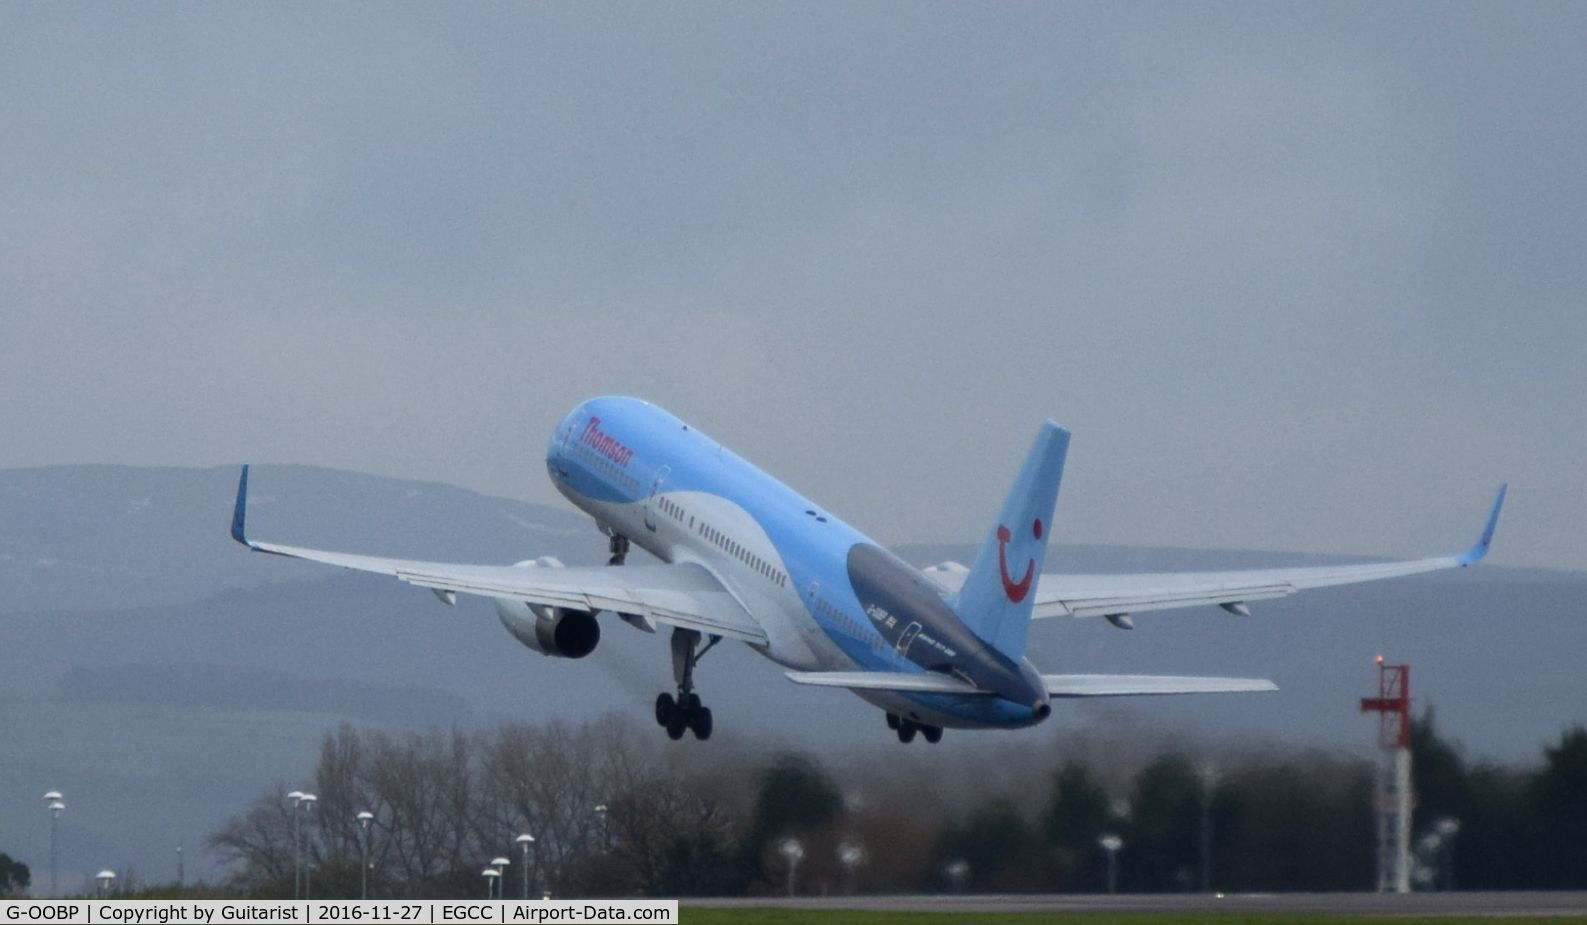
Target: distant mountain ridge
pixel 93 537
pixel 162 675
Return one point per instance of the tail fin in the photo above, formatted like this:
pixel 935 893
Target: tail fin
pixel 995 601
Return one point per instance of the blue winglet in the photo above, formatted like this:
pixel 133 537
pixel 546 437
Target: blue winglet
pixel 1474 555
pixel 240 514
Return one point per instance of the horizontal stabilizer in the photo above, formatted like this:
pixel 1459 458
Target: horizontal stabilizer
pixel 908 682
pixel 1131 685
pixel 1058 685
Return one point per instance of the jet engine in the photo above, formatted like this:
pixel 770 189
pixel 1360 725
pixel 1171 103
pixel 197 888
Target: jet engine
pixel 554 631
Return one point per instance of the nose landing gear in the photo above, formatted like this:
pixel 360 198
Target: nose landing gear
pixel 619 549
pixel 685 712
pixel 906 729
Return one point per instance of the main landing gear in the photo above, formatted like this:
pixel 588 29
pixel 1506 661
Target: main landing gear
pixel 619 549
pixel 685 712
pixel 906 729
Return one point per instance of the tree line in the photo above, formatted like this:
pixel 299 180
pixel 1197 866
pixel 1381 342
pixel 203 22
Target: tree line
pixel 613 811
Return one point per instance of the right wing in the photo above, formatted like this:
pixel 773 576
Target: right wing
pixel 683 595
pixel 1117 596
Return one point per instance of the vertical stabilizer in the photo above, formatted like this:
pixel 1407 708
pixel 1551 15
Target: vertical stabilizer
pixel 996 599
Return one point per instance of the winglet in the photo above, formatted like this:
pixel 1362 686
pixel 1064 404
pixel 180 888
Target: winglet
pixel 240 514
pixel 1474 555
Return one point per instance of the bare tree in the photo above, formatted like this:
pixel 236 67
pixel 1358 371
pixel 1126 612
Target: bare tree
pixel 258 845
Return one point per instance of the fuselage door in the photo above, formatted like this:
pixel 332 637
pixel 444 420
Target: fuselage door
pixel 650 500
pixel 563 447
pixel 907 637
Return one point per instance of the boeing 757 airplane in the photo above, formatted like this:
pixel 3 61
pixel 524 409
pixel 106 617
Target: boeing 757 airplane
pixel 745 557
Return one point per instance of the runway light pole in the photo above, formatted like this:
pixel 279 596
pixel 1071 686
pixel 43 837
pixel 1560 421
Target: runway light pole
pixel 1447 828
pixel 600 813
pixel 851 855
pixel 105 877
pixel 307 803
pixel 54 800
pixel 296 796
pixel 958 871
pixel 524 841
pixel 793 853
pixel 1208 773
pixel 1111 844
pixel 491 875
pixel 500 863
pixel 364 818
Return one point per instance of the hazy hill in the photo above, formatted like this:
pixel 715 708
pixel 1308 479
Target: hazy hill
pixel 91 537
pixel 161 675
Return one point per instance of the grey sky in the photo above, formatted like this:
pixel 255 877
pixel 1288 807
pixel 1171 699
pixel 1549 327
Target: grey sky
pixel 1298 277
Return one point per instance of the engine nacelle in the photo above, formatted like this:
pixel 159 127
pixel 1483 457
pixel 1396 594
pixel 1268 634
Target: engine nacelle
pixel 554 631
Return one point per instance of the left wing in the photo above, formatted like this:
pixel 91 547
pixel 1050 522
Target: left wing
pixel 683 595
pixel 1118 596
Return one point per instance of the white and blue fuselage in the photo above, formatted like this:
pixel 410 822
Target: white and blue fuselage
pixel 828 597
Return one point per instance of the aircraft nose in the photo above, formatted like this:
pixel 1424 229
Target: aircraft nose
pixel 1042 709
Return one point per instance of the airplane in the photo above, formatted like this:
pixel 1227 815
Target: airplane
pixel 746 558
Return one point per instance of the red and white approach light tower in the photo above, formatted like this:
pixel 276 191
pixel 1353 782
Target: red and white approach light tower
pixel 1393 797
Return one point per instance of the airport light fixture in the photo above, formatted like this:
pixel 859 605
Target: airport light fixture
pixel 499 863
pixel 601 809
pixel 308 802
pixel 491 875
pixel 958 871
pixel 364 819
pixel 296 796
pixel 793 852
pixel 305 801
pixel 851 855
pixel 105 877
pixel 1447 828
pixel 524 841
pixel 1207 772
pixel 55 801
pixel 1111 843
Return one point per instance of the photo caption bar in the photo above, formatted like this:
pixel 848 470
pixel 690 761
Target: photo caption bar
pixel 339 912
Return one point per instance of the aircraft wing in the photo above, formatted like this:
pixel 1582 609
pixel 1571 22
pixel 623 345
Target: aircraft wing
pixel 684 595
pixel 1117 596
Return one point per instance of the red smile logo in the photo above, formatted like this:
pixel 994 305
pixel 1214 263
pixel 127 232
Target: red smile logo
pixel 1016 590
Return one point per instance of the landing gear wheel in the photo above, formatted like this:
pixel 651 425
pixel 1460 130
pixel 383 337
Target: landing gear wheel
pixel 618 548
pixel 933 734
pixel 683 712
pixel 700 723
pixel 906 731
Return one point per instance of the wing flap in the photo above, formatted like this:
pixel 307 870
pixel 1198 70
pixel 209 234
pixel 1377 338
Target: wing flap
pixel 1139 685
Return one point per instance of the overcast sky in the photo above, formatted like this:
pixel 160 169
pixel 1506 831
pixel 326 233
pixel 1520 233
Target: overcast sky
pixel 1306 277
